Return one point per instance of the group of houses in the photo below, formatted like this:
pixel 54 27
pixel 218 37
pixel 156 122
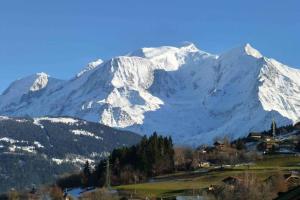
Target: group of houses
pixel 276 142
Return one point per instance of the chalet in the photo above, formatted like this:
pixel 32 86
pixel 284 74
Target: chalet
pixel 268 139
pixel 204 164
pixel 211 188
pixel 219 145
pixel 255 136
pixel 269 147
pixel 215 189
pixel 203 149
pixel 269 144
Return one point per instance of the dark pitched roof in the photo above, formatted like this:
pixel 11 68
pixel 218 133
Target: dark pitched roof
pixel 218 143
pixel 255 134
pixel 231 180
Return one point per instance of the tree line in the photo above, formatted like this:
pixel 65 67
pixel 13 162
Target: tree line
pixel 152 156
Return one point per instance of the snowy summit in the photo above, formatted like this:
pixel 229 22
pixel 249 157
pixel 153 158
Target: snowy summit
pixel 180 91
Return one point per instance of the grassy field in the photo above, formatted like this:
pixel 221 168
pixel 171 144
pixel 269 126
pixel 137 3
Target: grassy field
pixel 180 183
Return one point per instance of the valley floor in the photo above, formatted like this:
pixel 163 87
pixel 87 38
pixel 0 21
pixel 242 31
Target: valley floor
pixel 193 183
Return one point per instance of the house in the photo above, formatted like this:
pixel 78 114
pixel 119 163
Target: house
pixel 219 145
pixel 269 144
pixel 270 147
pixel 211 187
pixel 203 149
pixel 255 136
pixel 215 189
pixel 204 164
pixel 268 139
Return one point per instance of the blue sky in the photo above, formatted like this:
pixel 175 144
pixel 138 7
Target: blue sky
pixel 60 36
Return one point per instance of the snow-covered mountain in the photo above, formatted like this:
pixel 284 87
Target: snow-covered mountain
pixel 180 91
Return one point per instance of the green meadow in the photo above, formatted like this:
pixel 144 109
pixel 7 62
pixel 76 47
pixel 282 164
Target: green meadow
pixel 193 183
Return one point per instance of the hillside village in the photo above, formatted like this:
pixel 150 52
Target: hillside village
pixel 224 169
pixel 276 141
pixel 149 100
pixel 283 140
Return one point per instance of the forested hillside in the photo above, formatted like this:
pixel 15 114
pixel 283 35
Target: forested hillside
pixel 35 151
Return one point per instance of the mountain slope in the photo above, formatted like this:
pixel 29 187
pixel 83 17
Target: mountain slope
pixel 181 91
pixel 34 151
pixel 25 88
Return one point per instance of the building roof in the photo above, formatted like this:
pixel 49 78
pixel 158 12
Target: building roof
pixel 255 134
pixel 218 143
pixel 231 180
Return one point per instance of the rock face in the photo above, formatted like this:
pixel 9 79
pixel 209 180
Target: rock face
pixel 184 92
pixel 36 151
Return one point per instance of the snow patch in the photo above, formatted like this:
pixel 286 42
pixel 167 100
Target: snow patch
pixel 40 82
pixel 28 149
pixel 12 141
pixel 75 159
pixel 86 133
pixel 38 145
pixel 63 120
pixel 4 118
pixel 37 122
pixel 89 67
pixel 57 161
pixel 252 52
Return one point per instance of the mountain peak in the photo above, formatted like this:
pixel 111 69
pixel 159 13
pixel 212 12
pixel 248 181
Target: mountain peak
pixel 42 74
pixel 90 66
pixel 151 52
pixel 156 88
pixel 40 82
pixel 18 88
pixel 245 49
pixel 252 51
pixel 191 47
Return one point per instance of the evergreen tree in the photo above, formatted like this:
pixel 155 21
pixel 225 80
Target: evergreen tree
pixel 152 156
pixel 87 169
pixel 240 144
pixel 273 128
pixel 86 174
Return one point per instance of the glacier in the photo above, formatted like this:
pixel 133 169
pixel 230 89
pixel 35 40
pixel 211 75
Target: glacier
pixel 184 92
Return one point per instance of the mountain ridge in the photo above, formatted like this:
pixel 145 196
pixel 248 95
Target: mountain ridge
pixel 180 91
pixel 38 150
